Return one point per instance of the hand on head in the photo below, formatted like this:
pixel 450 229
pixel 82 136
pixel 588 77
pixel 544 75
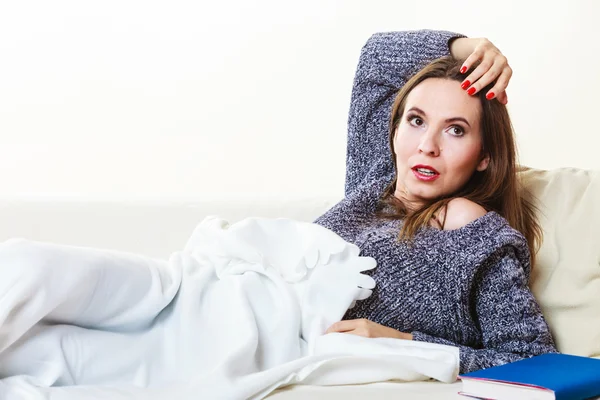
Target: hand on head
pixel 484 64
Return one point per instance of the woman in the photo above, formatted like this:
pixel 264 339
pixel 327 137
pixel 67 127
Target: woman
pixel 437 201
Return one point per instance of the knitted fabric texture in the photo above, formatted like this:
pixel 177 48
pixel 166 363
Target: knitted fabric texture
pixel 466 287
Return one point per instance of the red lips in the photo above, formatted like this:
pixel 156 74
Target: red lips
pixel 427 173
pixel 423 166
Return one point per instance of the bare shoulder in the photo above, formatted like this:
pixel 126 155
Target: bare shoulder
pixel 460 212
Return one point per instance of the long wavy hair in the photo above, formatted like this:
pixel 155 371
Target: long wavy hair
pixel 497 188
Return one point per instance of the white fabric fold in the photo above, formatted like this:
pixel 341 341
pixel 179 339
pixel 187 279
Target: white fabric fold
pixel 239 312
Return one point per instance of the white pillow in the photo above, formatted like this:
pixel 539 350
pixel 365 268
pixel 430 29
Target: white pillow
pixel 566 277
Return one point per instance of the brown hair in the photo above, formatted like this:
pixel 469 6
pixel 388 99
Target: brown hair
pixel 497 188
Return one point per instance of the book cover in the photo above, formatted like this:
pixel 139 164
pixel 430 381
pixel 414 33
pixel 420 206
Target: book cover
pixel 547 376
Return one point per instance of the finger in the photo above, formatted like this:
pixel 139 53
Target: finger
pixel 343 326
pixel 475 75
pixel 359 332
pixel 501 84
pixel 471 60
pixel 483 75
pixel 503 98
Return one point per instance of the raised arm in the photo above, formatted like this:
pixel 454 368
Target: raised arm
pixel 510 320
pixel 386 62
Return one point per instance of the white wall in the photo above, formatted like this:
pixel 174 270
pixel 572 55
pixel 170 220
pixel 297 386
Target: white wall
pixel 132 98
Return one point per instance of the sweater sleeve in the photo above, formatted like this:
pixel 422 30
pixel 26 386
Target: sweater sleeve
pixel 386 62
pixel 510 320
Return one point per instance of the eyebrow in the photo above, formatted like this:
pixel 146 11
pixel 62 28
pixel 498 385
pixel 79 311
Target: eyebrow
pixel 454 119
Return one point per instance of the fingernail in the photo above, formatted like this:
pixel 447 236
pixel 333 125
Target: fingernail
pixel 471 91
pixel 490 95
pixel 463 70
pixel 465 84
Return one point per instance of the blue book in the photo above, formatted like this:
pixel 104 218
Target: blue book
pixel 548 376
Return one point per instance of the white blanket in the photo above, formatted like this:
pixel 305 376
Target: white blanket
pixel 239 312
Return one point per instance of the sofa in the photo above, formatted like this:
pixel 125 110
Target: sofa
pixel 565 279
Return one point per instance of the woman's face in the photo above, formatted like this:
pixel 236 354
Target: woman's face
pixel 438 142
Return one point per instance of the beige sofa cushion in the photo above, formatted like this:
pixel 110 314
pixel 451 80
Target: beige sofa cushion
pixel 566 277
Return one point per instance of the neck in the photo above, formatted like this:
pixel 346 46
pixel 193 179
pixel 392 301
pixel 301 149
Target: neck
pixel 401 194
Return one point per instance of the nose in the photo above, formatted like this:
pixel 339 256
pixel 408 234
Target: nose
pixel 429 144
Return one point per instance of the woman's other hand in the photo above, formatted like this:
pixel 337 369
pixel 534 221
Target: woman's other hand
pixel 366 328
pixel 493 66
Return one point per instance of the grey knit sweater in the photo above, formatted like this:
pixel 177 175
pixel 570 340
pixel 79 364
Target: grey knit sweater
pixel 466 287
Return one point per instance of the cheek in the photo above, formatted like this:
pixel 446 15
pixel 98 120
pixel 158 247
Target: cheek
pixel 404 147
pixel 465 159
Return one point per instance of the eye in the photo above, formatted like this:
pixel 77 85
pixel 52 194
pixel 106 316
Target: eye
pixel 456 130
pixel 415 120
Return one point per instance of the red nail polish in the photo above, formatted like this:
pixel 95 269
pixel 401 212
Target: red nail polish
pixel 471 91
pixel 463 70
pixel 465 84
pixel 490 95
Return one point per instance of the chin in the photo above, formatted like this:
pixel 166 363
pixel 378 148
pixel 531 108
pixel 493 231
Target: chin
pixel 424 196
